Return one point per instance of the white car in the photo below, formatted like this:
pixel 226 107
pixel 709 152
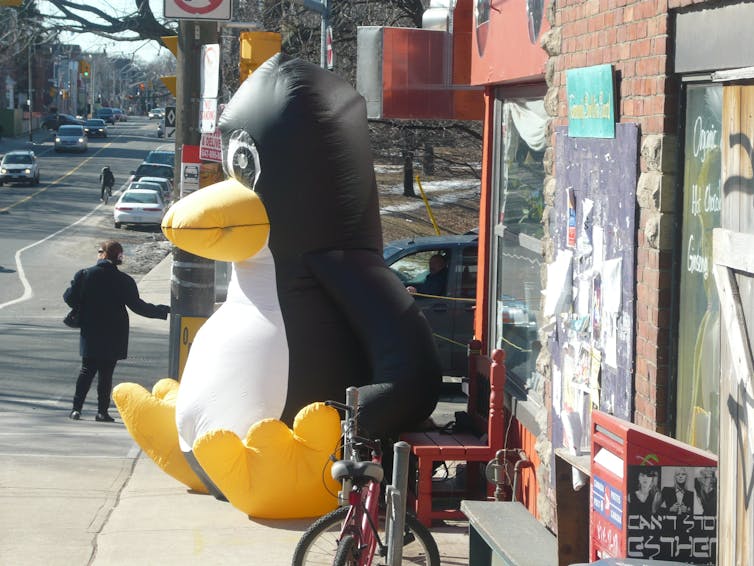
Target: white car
pixel 139 206
pixel 71 138
pixel 156 113
pixel 20 166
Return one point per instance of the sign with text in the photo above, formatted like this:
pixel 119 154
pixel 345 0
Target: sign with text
pixel 591 104
pixel 197 9
pixel 210 147
pixel 208 115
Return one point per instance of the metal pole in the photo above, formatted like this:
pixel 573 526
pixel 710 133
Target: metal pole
pixel 397 507
pixel 325 23
pixel 192 289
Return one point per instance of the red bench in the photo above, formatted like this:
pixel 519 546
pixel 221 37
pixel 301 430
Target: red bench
pixel 485 407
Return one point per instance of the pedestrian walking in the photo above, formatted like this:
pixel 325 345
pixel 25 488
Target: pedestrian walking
pixel 102 293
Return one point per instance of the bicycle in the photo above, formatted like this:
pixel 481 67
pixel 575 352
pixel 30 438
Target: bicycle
pixel 357 532
pixel 106 190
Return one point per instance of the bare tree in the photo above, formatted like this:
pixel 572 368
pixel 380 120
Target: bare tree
pixel 136 24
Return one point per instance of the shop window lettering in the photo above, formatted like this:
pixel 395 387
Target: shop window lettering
pixel 696 262
pixel 703 140
pixel 710 202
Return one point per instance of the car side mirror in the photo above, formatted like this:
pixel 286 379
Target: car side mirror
pixel 133 172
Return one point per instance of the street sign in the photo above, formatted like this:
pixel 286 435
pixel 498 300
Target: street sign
pixel 330 52
pixel 190 168
pixel 319 6
pixel 211 147
pixel 197 9
pixel 210 70
pixel 170 119
pixel 170 116
pixel 208 115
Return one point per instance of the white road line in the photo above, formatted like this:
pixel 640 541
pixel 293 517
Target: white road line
pixel 28 292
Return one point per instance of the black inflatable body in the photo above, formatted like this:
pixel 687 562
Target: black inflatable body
pixel 348 319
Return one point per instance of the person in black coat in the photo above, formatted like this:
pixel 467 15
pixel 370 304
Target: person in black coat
pixel 102 293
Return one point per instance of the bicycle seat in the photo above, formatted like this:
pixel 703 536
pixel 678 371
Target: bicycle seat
pixel 357 471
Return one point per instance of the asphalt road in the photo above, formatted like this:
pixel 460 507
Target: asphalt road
pixel 48 232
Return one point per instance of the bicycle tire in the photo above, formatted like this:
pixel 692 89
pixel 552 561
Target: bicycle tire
pixel 346 554
pixel 319 543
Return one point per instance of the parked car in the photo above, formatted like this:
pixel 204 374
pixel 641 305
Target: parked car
pixel 20 166
pixel 120 115
pixel 151 186
pixel 151 170
pixel 95 128
pixel 451 319
pixel 163 156
pixel 106 114
pixel 165 184
pixel 71 138
pixel 54 121
pixel 156 113
pixel 139 206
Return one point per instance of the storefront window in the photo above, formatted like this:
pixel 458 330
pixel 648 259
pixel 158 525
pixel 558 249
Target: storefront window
pixel 518 203
pixel 699 313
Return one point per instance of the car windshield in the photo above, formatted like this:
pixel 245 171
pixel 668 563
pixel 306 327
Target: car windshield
pixel 147 186
pixel 70 130
pixel 16 158
pixel 154 170
pixel 139 198
pixel 164 157
pixel 95 122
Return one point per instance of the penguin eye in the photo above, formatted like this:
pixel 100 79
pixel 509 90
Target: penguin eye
pixel 240 158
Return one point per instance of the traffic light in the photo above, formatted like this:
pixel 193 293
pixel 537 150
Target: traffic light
pixel 256 48
pixel 171 42
pixel 84 68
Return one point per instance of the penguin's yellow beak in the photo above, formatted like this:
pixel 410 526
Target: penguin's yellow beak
pixel 225 221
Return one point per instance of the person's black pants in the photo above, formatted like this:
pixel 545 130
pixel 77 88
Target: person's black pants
pixel 90 367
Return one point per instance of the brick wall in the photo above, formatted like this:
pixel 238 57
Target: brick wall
pixel 633 37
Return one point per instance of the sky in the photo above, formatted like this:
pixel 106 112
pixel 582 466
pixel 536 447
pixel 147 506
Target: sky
pixel 145 50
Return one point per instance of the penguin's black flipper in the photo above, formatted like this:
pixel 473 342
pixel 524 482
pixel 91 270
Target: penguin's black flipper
pixel 406 374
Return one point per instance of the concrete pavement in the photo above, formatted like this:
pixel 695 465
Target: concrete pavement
pixel 91 505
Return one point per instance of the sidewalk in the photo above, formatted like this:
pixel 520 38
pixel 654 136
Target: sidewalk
pixel 39 138
pixel 155 520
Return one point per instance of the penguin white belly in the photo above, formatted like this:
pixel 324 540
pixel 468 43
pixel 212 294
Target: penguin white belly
pixel 237 370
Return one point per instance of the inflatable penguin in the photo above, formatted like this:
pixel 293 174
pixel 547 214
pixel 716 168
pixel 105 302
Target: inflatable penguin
pixel 311 309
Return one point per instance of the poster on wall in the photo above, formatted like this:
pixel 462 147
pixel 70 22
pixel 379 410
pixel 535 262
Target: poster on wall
pixel 593 344
pixel 672 513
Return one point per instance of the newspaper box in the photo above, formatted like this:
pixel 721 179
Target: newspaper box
pixel 653 497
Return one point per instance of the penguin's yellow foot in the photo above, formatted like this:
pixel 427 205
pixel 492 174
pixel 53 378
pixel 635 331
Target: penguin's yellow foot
pixel 150 419
pixel 276 472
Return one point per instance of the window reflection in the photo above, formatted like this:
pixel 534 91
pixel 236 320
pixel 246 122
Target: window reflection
pixel 517 246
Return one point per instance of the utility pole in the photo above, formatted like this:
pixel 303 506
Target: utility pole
pixel 192 288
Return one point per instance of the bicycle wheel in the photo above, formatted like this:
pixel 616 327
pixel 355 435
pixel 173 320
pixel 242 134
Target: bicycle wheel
pixel 346 555
pixel 319 544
